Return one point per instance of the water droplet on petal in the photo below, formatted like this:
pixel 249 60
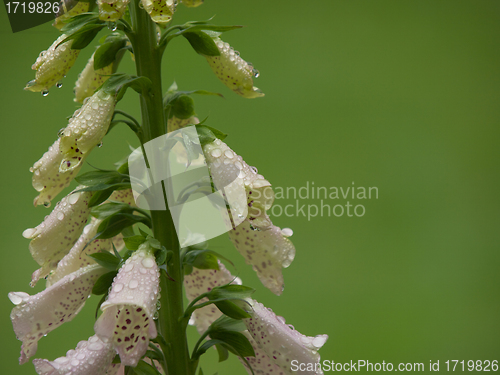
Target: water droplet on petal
pixel 128 267
pixel 28 233
pixel 59 85
pixel 73 198
pixel 287 232
pixel 17 297
pixel 216 153
pixel 148 262
pixel 60 215
pixel 45 92
pixel 118 287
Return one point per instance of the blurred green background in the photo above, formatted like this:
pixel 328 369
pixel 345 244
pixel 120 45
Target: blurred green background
pixel 399 95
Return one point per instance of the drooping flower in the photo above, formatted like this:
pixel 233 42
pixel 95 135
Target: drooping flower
pixel 85 130
pixel 68 9
pixel 90 357
pixel 35 316
pixel 54 238
pixel 78 256
pixel 47 179
pixel 265 246
pixel 52 65
pixel 201 281
pixel 233 71
pixel 282 342
pixel 127 319
pixel 123 196
pixel 90 80
pixel 261 364
pixel 192 3
pixel 112 10
pixel 160 11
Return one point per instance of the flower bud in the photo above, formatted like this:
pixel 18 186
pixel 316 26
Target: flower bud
pixel 85 130
pixel 52 65
pixel 68 9
pixel 47 179
pixel 233 71
pixel 90 80
pixel 160 11
pixel 112 10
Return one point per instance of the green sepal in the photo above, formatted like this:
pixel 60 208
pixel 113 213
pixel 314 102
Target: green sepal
pixel 183 107
pixel 144 368
pixel 158 352
pixel 230 300
pixel 114 224
pixel 202 43
pixel 203 259
pixel 82 29
pixel 223 352
pixel 235 342
pixel 107 52
pixel 106 260
pixel 207 134
pixel 118 83
pixel 133 243
pixel 103 283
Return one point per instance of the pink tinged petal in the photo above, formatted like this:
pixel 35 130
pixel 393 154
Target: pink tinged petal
pixel 52 65
pixel 90 357
pixel 90 80
pixel 261 363
pixel 233 71
pixel 85 130
pixel 280 341
pixel 47 179
pixel 267 251
pixel 78 257
pixel 54 238
pixel 201 281
pixel 127 319
pixel 37 315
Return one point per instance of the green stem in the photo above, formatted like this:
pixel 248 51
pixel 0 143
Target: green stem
pixel 148 62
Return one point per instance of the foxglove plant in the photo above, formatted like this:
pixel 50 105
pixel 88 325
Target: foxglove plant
pixel 103 239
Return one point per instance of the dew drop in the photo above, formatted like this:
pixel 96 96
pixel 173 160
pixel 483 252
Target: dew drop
pixel 17 297
pixel 128 267
pixel 229 154
pixel 45 92
pixel 28 233
pixel 319 341
pixel 73 198
pixel 287 232
pixel 148 262
pixel 216 153
pixel 255 73
pixel 60 215
pixel 118 287
pixel 60 133
pixel 46 204
pixel 59 85
pixel 75 362
pixel 99 144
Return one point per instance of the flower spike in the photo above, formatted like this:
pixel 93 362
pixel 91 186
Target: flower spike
pixel 90 80
pixel 265 246
pixel 85 130
pixel 53 239
pixel 35 316
pixel 280 341
pixel 127 319
pixel 233 71
pixel 47 179
pixel 52 65
pixel 90 357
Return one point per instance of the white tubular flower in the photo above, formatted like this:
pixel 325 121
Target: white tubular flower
pixel 90 80
pixel 160 11
pixel 53 239
pixel 68 9
pixel 233 71
pixel 52 65
pixel 78 256
pixel 282 342
pixel 201 281
pixel 47 179
pixel 85 130
pixel 127 319
pixel 37 315
pixel 192 3
pixel 90 357
pixel 265 246
pixel 112 10
pixel 261 363
pixel 123 196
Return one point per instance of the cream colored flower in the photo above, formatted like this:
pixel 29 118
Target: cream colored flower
pixel 90 80
pixel 112 10
pixel 160 11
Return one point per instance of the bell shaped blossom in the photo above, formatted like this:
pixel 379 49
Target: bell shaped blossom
pixel 54 238
pixel 90 357
pixel 78 256
pixel 282 342
pixel 68 9
pixel 123 196
pixel 90 80
pixel 192 3
pixel 160 11
pixel 37 315
pixel 233 71
pixel 52 65
pixel 112 10
pixel 86 129
pixel 261 364
pixel 127 318
pixel 265 246
pixel 201 281
pixel 47 179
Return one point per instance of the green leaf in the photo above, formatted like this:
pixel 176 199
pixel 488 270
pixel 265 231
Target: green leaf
pixel 207 134
pixel 202 43
pixel 101 301
pixel 106 53
pixel 133 243
pixel 161 255
pixel 202 259
pixel 225 323
pixel 230 299
pixel 106 260
pixel 144 368
pixel 103 283
pixel 83 35
pixel 235 342
pixel 118 83
pixel 100 177
pixel 113 225
pixel 223 352
pixel 158 352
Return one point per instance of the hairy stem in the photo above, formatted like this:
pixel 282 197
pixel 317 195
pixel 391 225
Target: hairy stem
pixel 148 62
